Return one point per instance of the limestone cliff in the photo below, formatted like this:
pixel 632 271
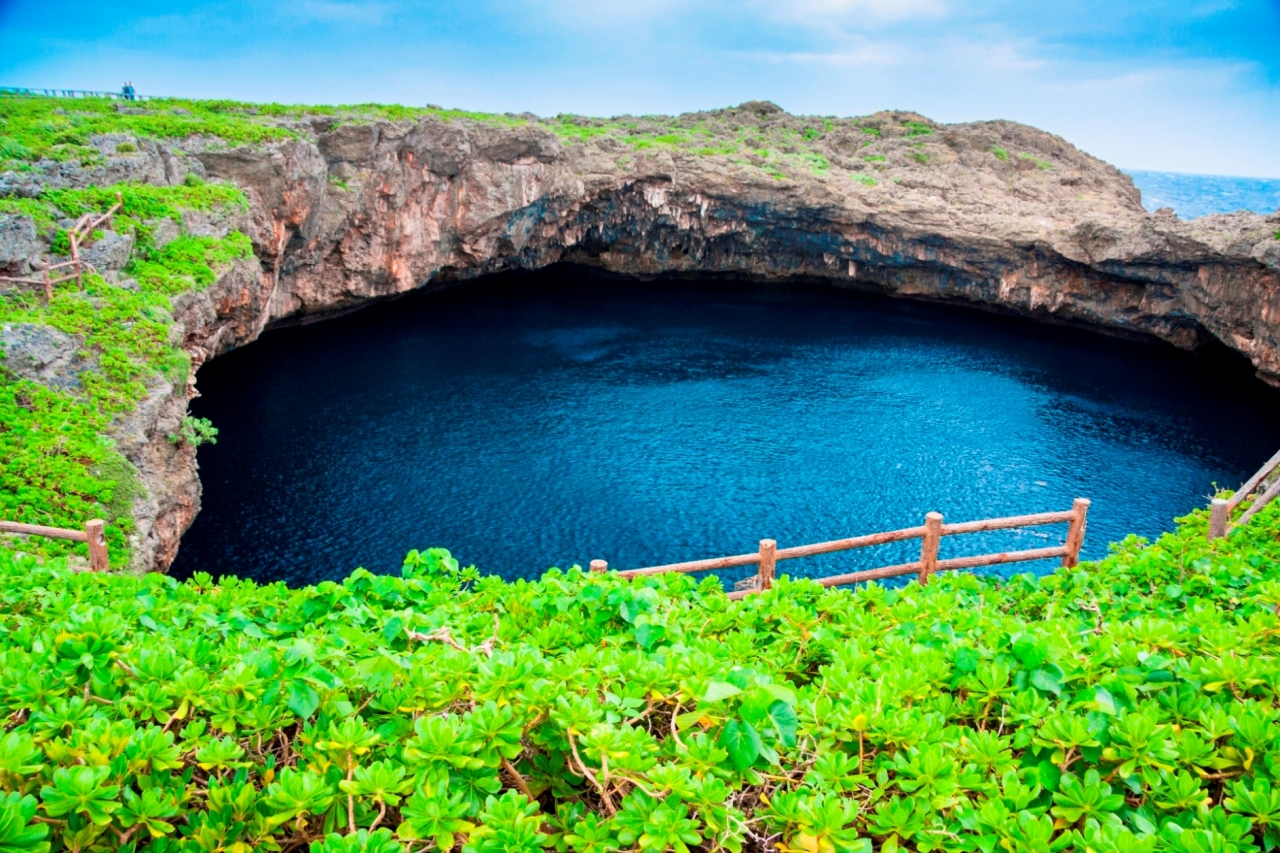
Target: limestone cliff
pixel 992 214
pixel 362 211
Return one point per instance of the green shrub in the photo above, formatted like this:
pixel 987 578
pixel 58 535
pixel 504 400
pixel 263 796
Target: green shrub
pixel 126 148
pixel 12 149
pixel 195 432
pixel 1126 705
pixel 1000 153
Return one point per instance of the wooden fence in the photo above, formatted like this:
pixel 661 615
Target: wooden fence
pixel 930 534
pixel 77 234
pixel 94 534
pixel 1221 508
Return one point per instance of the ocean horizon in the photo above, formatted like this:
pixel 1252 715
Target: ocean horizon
pixel 1193 196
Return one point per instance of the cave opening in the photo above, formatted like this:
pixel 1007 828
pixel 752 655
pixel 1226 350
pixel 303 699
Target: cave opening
pixel 528 420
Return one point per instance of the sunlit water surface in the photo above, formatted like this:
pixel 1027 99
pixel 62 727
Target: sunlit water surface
pixel 552 419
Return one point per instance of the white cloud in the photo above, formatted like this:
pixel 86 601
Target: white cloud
pixel 994 56
pixel 865 53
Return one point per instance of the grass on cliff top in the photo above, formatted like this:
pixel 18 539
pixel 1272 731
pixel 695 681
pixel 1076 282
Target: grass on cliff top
pixel 1125 706
pixel 57 467
pixel 62 129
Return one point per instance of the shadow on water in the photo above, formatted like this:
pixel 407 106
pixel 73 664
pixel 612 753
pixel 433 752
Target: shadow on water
pixel 547 419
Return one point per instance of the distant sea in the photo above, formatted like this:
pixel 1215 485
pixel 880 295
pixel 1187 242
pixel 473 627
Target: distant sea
pixel 1199 195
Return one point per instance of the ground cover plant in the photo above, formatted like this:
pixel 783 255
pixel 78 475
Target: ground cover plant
pixel 57 466
pixel 1125 706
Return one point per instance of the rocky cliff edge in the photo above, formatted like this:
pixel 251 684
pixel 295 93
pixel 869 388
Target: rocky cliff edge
pixel 992 214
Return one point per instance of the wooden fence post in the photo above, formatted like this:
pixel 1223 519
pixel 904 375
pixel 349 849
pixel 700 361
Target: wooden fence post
pixel 599 566
pixel 96 535
pixel 929 546
pixel 75 254
pixel 48 285
pixel 1218 511
pixel 1075 532
pixel 768 548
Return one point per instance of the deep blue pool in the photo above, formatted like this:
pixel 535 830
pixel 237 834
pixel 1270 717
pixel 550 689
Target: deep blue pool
pixel 550 419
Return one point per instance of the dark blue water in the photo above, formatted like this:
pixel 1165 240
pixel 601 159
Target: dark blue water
pixel 554 418
pixel 1199 195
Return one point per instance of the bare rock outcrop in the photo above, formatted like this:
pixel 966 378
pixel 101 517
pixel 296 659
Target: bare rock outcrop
pixel 994 214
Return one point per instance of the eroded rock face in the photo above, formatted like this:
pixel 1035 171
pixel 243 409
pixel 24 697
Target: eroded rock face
pixel 368 211
pixel 43 354
pixel 992 214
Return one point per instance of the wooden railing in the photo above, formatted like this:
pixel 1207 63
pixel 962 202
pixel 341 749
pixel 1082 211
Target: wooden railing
pixel 94 534
pixel 930 534
pixel 78 233
pixel 1221 508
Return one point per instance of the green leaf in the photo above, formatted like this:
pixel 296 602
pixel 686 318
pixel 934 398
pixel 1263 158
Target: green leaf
pixel 16 831
pixel 718 690
pixel 785 723
pixel 1047 681
pixel 303 699
pixel 1030 650
pixel 741 741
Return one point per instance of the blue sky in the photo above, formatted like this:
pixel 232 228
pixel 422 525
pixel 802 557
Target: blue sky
pixel 1190 86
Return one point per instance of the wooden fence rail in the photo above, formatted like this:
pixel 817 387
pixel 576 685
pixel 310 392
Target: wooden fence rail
pixel 94 534
pixel 77 234
pixel 1220 509
pixel 930 533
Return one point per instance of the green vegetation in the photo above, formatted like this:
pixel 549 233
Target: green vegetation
pixel 1043 164
pixel 195 432
pixel 1000 153
pixel 874 158
pixel 1127 706
pixel 917 128
pixel 61 129
pixel 920 157
pixel 56 465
